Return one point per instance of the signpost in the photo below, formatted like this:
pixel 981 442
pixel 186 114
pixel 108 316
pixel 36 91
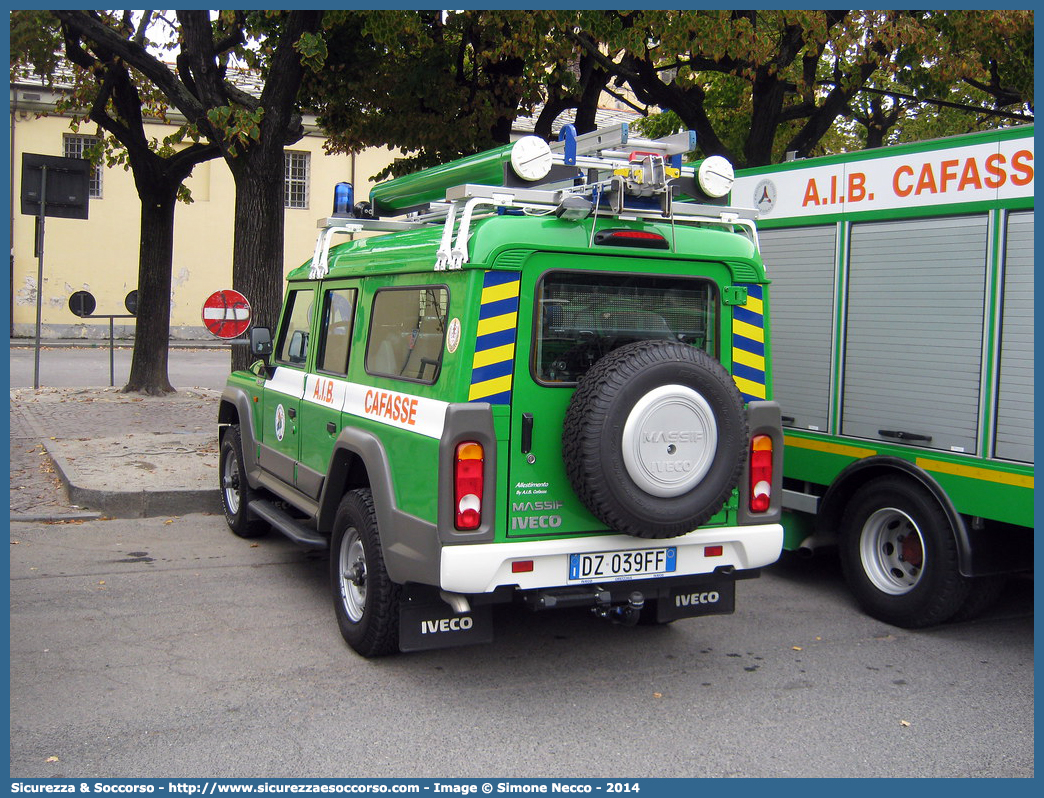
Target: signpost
pixel 51 186
pixel 83 304
pixel 226 314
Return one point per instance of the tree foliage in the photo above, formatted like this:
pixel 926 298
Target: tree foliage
pixel 758 84
pixel 754 85
pixel 434 85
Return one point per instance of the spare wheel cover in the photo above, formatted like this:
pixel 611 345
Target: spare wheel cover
pixel 654 438
pixel 669 440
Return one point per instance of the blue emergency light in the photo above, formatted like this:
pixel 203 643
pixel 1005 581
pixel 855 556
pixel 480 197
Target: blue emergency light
pixel 344 196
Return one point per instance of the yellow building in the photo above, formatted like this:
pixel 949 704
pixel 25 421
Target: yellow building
pixel 100 254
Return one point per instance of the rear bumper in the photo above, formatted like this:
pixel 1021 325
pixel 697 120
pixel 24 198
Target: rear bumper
pixel 483 567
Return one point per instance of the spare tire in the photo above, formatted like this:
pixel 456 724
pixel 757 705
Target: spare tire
pixel 654 438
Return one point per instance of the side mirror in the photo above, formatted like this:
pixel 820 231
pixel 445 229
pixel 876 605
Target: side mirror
pixel 260 341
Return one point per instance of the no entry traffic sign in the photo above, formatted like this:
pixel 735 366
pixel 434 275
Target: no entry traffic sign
pixel 226 314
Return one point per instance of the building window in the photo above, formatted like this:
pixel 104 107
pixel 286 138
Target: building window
pixel 295 191
pixel 76 147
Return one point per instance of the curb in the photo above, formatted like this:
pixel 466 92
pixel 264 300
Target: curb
pixel 137 503
pixel 116 504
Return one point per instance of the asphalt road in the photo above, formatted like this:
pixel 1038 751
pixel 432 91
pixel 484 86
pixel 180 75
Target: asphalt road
pixel 170 648
pixel 64 366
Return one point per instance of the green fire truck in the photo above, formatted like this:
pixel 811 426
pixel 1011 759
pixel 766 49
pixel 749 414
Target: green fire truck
pixel 902 282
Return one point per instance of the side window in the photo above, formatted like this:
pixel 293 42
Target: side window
pixel 293 337
pixel 407 333
pixel 336 330
pixel 584 315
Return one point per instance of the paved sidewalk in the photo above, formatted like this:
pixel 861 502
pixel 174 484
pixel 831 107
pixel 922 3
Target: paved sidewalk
pixel 92 452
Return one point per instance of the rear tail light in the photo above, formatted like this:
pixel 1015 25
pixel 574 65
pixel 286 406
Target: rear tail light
pixel 467 485
pixel 760 473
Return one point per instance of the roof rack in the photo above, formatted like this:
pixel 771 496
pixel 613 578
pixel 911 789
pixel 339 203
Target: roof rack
pixel 599 173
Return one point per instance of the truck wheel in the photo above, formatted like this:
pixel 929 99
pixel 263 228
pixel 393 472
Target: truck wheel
pixel 365 599
pixel 654 438
pixel 899 555
pixel 236 492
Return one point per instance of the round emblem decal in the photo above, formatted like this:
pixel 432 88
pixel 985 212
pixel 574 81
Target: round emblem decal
pixel 453 336
pixel 765 196
pixel 280 422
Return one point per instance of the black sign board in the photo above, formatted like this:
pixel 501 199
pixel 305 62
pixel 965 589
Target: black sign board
pixel 82 303
pixel 67 186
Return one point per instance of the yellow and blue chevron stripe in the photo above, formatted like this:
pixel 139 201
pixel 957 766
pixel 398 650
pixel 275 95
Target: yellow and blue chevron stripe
pixel 748 345
pixel 494 361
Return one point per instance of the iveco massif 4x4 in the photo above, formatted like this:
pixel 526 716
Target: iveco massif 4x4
pixel 546 383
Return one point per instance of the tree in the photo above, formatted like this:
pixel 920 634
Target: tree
pixel 437 85
pixel 790 77
pixel 249 131
pixel 107 93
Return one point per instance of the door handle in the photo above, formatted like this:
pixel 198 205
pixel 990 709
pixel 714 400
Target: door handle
pixel 527 433
pixel 904 436
pixel 291 412
pixel 331 427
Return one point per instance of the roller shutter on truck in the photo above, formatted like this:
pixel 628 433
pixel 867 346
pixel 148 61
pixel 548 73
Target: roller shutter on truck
pixel 801 264
pixel 913 347
pixel 1014 438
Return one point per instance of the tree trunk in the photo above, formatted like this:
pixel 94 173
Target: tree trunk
pixel 148 372
pixel 257 249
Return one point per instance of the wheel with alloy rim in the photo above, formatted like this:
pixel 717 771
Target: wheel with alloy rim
pixel 366 601
pixel 654 438
pixel 236 493
pixel 899 554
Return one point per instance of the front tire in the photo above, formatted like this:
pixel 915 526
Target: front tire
pixel 366 601
pixel 899 555
pixel 236 493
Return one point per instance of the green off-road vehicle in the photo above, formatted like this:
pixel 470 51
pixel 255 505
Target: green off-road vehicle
pixel 547 381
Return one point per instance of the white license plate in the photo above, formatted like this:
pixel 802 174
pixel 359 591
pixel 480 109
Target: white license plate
pixel 623 564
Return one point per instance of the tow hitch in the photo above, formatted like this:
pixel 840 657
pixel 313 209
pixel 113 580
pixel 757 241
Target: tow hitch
pixel 598 599
pixel 623 614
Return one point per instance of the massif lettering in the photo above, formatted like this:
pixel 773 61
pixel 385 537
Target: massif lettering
pixel 394 406
pixel 529 507
pixel 932 177
pixel 673 436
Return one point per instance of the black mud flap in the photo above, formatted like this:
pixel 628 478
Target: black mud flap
pixel 425 625
pixel 691 601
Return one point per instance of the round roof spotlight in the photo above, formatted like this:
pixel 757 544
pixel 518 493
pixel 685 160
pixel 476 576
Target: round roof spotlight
pixel 716 176
pixel 531 158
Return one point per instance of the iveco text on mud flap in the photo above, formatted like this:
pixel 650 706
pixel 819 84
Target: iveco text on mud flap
pixel 549 382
